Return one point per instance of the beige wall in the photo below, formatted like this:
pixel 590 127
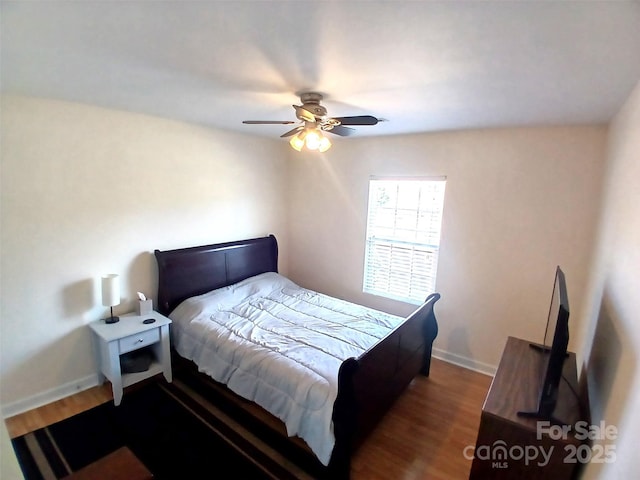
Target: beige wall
pixel 518 202
pixel 88 191
pixel 612 341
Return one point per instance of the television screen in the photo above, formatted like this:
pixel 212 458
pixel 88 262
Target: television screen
pixel 554 349
pixel 552 318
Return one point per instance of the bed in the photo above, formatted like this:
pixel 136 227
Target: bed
pixel 326 368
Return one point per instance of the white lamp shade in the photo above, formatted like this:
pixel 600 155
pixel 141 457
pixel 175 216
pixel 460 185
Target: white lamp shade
pixel 110 290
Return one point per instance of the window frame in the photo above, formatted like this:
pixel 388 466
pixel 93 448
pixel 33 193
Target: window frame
pixel 417 248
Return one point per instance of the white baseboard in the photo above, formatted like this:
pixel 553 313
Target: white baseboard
pixel 48 396
pixel 465 362
pixel 43 398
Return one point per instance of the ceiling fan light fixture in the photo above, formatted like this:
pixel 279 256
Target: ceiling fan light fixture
pixel 325 144
pixel 312 139
pixel 297 141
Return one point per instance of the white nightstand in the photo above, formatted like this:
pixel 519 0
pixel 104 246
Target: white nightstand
pixel 129 334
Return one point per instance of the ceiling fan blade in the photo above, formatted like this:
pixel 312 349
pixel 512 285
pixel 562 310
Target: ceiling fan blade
pixel 292 131
pixel 268 122
pixel 342 131
pixel 357 120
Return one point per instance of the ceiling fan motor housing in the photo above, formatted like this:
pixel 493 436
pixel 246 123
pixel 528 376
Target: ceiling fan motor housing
pixel 311 103
pixel 310 97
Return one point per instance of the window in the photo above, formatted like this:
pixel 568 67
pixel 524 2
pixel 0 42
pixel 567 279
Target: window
pixel 403 237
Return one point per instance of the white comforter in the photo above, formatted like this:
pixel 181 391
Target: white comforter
pixel 279 345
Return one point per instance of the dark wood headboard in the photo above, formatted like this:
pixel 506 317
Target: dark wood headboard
pixel 186 272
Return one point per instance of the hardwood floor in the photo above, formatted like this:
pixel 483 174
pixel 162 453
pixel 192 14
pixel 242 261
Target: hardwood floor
pixel 422 437
pixel 54 412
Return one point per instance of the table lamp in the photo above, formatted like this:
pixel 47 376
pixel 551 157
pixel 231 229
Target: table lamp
pixel 111 294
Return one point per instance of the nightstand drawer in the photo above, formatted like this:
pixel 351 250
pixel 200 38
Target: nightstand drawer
pixel 139 340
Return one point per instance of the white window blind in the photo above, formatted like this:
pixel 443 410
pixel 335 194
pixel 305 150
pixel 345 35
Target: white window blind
pixel 403 237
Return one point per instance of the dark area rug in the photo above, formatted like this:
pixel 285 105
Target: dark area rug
pixel 172 441
pixel 265 444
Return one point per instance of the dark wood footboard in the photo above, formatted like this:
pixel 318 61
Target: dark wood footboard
pixel 368 385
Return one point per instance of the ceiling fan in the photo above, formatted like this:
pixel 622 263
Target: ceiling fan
pixel 313 121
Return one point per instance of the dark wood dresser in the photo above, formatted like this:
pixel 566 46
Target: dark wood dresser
pixel 513 447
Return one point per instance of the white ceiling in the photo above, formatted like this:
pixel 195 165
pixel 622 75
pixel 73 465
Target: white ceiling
pixel 421 65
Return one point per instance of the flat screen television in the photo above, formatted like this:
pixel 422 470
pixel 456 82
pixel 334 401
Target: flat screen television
pixel 554 350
